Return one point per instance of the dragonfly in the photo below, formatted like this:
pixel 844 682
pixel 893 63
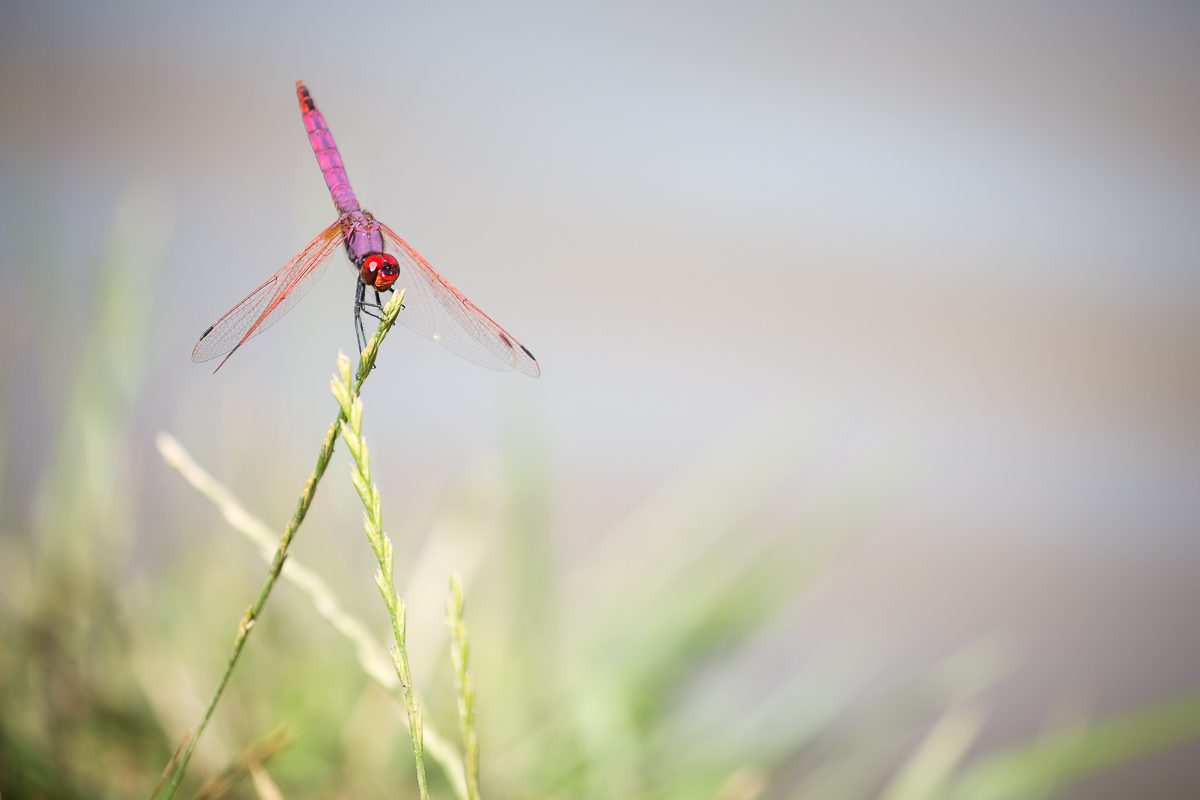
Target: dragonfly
pixel 382 262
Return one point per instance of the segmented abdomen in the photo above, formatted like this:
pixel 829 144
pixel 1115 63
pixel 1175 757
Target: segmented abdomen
pixel 328 157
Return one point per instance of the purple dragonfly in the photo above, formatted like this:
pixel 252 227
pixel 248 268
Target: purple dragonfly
pixel 381 261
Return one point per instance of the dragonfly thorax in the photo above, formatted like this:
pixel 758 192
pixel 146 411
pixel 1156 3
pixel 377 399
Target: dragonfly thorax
pixel 379 271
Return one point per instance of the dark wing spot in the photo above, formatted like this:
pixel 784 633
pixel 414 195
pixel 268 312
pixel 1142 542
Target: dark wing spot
pixel 207 332
pixel 504 339
pixel 526 349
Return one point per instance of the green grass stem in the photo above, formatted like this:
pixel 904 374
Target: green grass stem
pixel 381 546
pixel 366 363
pixel 460 652
pixel 371 655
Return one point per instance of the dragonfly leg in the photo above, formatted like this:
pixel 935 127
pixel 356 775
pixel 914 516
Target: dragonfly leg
pixel 370 310
pixel 364 307
pixel 360 292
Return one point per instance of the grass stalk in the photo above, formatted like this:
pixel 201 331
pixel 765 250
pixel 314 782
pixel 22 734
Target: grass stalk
pixel 381 546
pixel 371 655
pixel 460 656
pixel 366 363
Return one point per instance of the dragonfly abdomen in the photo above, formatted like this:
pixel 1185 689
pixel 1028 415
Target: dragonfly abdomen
pixel 325 149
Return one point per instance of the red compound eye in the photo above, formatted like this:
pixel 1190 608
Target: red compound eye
pixel 380 270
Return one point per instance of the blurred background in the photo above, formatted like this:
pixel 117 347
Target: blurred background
pixel 865 460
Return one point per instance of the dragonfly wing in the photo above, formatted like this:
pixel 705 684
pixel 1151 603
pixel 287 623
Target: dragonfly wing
pixel 263 307
pixel 438 311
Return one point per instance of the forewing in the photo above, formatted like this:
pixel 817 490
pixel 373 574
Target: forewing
pixel 263 307
pixel 438 311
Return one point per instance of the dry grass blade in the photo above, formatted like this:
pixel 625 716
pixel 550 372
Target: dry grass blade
pixel 247 763
pixel 183 740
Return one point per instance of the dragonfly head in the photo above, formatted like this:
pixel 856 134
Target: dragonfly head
pixel 380 270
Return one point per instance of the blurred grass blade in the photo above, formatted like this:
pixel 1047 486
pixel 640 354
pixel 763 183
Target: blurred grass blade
pixel 253 758
pixel 928 770
pixel 79 508
pixel 368 651
pixel 264 787
pixel 460 650
pixel 1059 759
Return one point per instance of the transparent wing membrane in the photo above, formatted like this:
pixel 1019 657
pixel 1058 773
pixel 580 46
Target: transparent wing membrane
pixel 436 310
pixel 267 304
pixel 433 308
